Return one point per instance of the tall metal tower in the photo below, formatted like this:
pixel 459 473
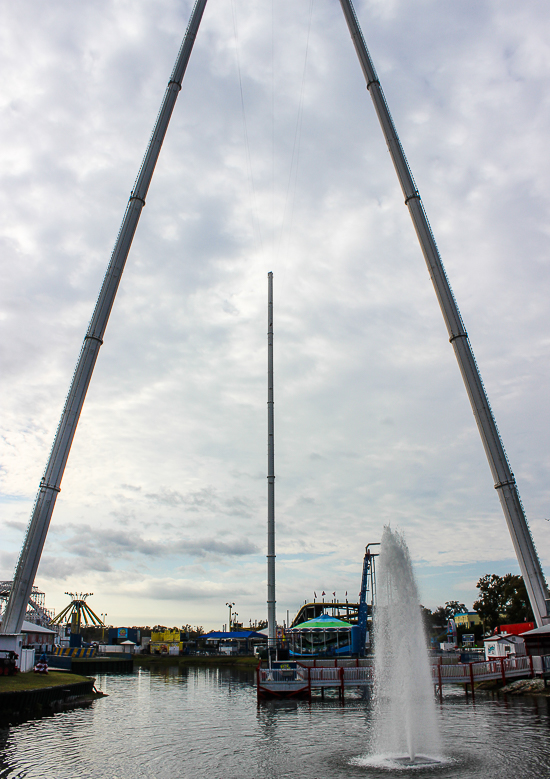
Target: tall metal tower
pixel 503 477
pixel 271 602
pixel 50 485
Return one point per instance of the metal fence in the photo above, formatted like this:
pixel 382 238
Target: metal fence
pixel 469 673
pixel 499 668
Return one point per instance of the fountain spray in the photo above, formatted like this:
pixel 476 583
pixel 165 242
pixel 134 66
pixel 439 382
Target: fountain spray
pixel 406 730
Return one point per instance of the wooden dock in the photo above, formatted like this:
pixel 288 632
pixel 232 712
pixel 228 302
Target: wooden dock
pixel 298 678
pixel 116 663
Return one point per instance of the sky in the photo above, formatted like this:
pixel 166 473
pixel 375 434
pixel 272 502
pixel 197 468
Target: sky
pixel 273 161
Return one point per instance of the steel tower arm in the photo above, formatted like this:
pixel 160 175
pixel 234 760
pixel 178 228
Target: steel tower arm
pixel 51 481
pixel 498 462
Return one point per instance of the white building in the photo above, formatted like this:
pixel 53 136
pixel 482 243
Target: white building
pixel 504 645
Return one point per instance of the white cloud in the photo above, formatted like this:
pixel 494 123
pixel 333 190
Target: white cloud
pixel 372 421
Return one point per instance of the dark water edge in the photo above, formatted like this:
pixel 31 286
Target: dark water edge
pixel 176 722
pixel 20 705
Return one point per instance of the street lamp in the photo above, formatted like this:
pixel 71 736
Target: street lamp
pixel 230 607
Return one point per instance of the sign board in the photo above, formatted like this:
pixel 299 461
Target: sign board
pixel 468 638
pixel 122 633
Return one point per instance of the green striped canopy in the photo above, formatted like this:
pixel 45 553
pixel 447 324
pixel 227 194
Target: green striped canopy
pixel 324 622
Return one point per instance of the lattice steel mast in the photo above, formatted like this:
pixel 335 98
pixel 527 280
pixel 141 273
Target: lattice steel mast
pixel 505 483
pixel 53 474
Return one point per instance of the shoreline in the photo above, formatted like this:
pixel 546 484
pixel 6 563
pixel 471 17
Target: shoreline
pixel 29 695
pixel 532 687
pixel 247 662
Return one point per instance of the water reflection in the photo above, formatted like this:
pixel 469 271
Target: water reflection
pixel 174 723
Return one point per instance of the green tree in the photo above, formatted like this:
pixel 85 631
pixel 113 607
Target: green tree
pixel 453 607
pixel 502 599
pixel 444 613
pixel 427 619
pixel 439 618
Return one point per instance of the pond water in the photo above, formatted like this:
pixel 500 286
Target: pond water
pixel 180 723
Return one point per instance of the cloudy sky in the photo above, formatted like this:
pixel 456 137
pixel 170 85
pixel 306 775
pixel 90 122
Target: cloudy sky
pixel 274 160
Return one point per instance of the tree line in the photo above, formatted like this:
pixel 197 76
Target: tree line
pixel 502 600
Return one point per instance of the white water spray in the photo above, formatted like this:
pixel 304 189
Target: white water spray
pixel 406 729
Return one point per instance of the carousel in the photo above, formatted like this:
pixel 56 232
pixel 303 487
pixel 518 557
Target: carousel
pixel 323 636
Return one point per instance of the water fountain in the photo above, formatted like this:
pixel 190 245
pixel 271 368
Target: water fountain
pixel 406 731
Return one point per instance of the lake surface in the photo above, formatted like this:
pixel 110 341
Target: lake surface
pixel 181 723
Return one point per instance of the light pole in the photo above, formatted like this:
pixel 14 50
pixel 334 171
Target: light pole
pixel 104 620
pixel 230 607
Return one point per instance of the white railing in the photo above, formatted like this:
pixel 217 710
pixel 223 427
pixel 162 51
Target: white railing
pixel 287 675
pixel 324 674
pixel 468 673
pixel 500 668
pixel 362 662
pixel 319 676
pixel 358 675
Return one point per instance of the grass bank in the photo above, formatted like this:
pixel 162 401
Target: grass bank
pixel 32 681
pixel 30 695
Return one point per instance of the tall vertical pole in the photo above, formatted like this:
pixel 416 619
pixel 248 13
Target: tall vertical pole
pixel 503 477
pixel 271 618
pixel 51 482
pixel 230 607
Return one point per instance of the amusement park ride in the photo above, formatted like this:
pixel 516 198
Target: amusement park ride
pixel 360 613
pixel 77 612
pixel 50 485
pixel 36 608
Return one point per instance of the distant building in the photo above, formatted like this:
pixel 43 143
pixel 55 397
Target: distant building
pixel 517 628
pixel 537 641
pixel 165 641
pixel 234 642
pixel 119 635
pixel 37 637
pixel 467 621
pixel 503 645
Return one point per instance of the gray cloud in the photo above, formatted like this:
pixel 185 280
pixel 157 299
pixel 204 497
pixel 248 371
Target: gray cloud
pixel 174 590
pixel 131 487
pixel 204 500
pixel 169 458
pixel 14 525
pixel 61 568
pixel 97 545
pixel 232 548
